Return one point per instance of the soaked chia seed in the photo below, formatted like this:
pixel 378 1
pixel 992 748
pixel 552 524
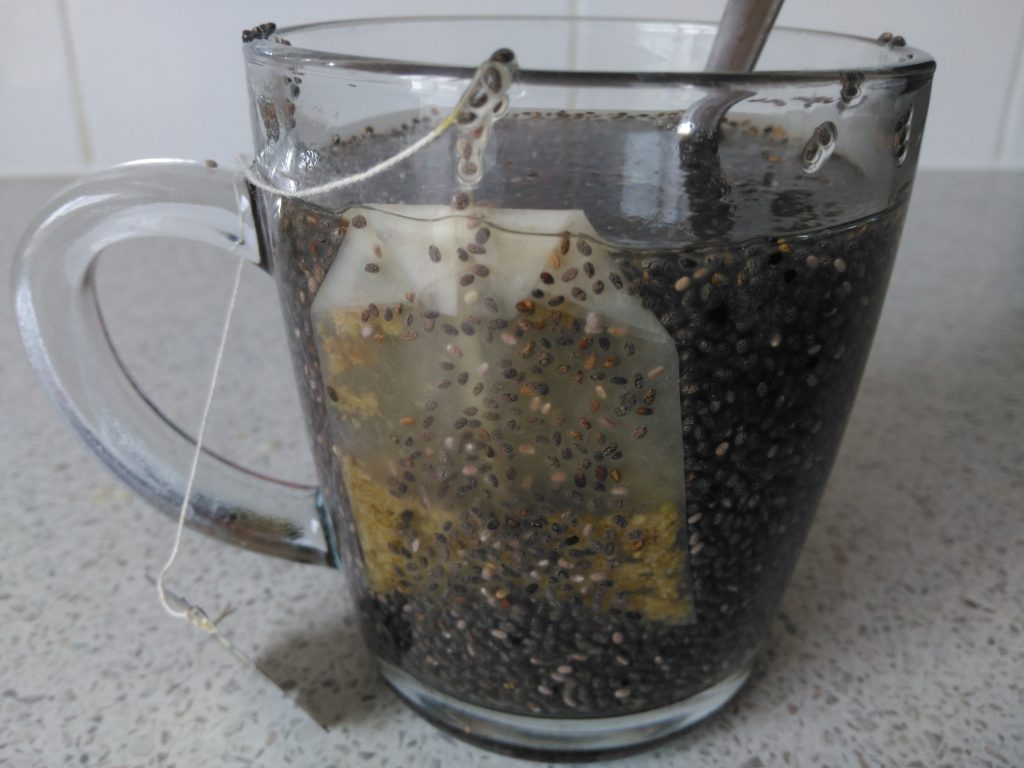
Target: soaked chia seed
pixel 771 313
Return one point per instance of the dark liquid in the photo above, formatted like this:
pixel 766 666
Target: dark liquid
pixel 771 305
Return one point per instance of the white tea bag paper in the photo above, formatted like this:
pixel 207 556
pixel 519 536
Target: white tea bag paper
pixel 504 412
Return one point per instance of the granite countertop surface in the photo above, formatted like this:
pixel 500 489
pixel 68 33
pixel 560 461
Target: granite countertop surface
pixel 901 636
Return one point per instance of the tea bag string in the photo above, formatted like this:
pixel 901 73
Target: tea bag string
pixel 177 605
pixel 191 612
pixel 485 100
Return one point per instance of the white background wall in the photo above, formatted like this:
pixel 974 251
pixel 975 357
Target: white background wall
pixel 88 83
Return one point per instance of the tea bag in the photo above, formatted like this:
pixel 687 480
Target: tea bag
pixel 500 403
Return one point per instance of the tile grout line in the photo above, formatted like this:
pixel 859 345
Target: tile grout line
pixel 1013 104
pixel 78 102
pixel 575 7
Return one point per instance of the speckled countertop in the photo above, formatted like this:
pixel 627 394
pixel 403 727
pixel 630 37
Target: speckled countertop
pixel 901 639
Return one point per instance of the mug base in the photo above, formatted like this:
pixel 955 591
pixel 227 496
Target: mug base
pixel 561 739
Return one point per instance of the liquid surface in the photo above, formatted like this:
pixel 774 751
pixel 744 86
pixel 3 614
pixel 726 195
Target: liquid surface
pixel 558 597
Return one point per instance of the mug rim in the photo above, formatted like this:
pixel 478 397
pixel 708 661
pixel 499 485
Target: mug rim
pixel 273 50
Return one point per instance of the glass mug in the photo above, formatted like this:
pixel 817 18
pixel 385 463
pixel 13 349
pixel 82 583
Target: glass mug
pixel 574 372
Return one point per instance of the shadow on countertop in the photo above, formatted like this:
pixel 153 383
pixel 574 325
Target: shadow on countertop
pixel 329 673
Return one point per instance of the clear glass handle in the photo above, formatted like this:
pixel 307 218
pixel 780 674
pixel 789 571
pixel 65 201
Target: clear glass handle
pixel 63 331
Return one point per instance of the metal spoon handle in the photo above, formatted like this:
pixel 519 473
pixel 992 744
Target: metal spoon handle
pixel 741 34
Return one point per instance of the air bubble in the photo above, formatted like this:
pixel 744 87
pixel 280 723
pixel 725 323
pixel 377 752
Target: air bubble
pixel 819 147
pixel 308 160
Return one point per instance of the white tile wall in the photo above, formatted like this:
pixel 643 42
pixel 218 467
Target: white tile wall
pixel 166 79
pixel 1010 150
pixel 39 132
